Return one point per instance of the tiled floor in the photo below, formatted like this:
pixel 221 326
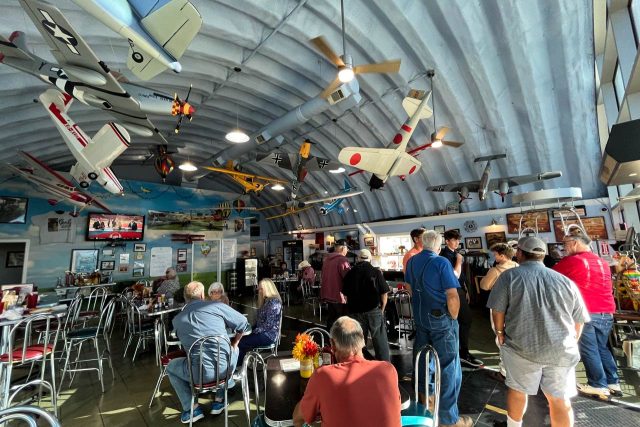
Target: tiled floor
pixel 128 388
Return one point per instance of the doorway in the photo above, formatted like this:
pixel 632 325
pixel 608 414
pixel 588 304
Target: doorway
pixel 14 255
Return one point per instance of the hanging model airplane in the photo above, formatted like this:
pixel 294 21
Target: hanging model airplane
pixel 500 186
pixel 93 156
pixel 299 163
pixel 386 162
pixel 50 181
pixel 80 74
pixel 158 32
pixel 249 182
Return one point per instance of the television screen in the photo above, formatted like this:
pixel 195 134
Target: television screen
pixel 104 226
pixel 13 210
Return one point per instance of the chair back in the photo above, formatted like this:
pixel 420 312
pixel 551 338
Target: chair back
pixel 213 346
pixel 97 299
pixel 321 333
pixel 425 353
pixel 134 318
pixel 48 332
pixel 403 304
pixel 307 291
pixel 73 312
pixel 106 317
pixel 32 415
pixel 255 362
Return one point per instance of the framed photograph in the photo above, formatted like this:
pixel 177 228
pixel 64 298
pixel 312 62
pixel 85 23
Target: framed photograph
pixel 14 259
pixel 139 247
pixel 181 268
pixel 252 252
pixel 369 241
pixel 473 242
pixel 529 220
pixel 182 256
pixel 580 210
pixel 107 252
pixel 556 250
pixel 123 268
pixel 138 264
pixel 596 228
pixel 495 237
pixel 439 228
pixel 124 258
pixel 138 272
pixel 13 210
pixel 138 256
pixel 351 237
pixel 84 260
pixel 107 265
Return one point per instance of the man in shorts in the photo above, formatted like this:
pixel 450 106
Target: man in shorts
pixel 538 316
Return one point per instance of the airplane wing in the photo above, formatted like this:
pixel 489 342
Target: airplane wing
pixel 290 212
pixel 334 197
pixel 245 175
pixel 472 186
pixel 376 160
pixel 280 159
pixel 318 163
pixel 514 181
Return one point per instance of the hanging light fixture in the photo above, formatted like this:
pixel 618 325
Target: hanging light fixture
pixel 237 135
pixel 187 166
pixel 339 170
pixel 277 187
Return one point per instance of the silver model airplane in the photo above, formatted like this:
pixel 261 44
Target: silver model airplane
pixel 500 186
pixel 80 74
pixel 158 32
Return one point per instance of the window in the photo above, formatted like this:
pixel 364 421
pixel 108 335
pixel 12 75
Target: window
pixel 391 244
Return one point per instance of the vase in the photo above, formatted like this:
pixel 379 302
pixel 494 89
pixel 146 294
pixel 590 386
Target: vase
pixel 306 367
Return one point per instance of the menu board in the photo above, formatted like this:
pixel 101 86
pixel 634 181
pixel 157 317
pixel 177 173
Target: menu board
pixel 161 259
pixel 229 250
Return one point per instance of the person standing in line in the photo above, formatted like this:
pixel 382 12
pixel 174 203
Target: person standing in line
pixel 452 241
pixel 416 238
pixel 334 267
pixel 538 315
pixel 366 292
pixel 592 275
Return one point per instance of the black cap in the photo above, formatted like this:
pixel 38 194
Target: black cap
pixel 341 242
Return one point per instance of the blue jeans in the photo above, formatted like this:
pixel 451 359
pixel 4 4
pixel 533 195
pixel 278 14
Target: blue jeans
pixel 251 341
pixel 596 357
pixel 374 322
pixel 442 333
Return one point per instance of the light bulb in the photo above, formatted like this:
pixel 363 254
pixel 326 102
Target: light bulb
pixel 633 174
pixel 237 136
pixel 346 74
pixel 277 187
pixel 188 167
pixel 437 143
pixel 339 170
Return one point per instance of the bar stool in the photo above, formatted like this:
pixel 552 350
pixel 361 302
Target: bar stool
pixel 138 327
pixel 254 361
pixel 94 304
pixel 30 415
pixel 417 414
pixel 164 362
pixel 273 347
pixel 406 324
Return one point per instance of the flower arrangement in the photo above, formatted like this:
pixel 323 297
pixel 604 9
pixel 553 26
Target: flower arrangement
pixel 305 347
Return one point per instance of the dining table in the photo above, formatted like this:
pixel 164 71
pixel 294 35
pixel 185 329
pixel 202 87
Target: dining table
pixel 284 389
pixel 159 314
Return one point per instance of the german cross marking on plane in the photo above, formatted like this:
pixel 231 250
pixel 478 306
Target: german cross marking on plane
pixel 322 163
pixel 277 158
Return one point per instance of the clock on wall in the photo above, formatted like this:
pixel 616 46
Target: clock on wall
pixel 470 226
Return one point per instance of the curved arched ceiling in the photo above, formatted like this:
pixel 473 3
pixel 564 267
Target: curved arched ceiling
pixel 514 77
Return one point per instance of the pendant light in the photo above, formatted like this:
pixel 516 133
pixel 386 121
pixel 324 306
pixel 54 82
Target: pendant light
pixel 237 135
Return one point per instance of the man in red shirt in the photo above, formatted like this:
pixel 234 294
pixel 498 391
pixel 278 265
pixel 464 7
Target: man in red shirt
pixel 593 277
pixel 334 267
pixel 416 238
pixel 354 391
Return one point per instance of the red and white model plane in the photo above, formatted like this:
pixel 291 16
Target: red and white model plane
pixel 48 180
pixel 394 159
pixel 93 156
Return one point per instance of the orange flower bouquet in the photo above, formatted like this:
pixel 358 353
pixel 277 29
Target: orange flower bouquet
pixel 306 351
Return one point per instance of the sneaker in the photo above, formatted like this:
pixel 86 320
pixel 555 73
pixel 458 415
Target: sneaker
pixel 471 361
pixel 615 390
pixel 463 421
pixel 198 414
pixel 237 376
pixel 217 407
pixel 601 393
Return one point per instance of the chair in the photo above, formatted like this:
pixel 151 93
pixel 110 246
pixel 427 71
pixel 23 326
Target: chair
pixel 308 296
pixel 273 347
pixel 94 304
pixel 325 346
pixel 211 345
pixel 32 415
pixel 406 324
pixel 164 362
pixel 138 326
pixel 417 414
pixel 256 363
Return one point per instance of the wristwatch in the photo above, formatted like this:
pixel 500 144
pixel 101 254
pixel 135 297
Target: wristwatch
pixel 499 332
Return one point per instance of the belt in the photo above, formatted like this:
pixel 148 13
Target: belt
pixel 438 313
pixel 601 314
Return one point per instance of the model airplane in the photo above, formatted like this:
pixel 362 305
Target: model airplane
pixel 158 32
pixel 386 162
pixel 299 163
pixel 250 182
pixel 500 186
pixel 48 180
pixel 93 156
pixel 80 74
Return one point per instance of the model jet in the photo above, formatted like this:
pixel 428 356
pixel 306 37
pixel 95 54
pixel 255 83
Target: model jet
pixel 48 180
pixel 335 204
pixel 299 163
pixel 80 74
pixel 249 182
pixel 394 159
pixel 158 32
pixel 500 186
pixel 93 156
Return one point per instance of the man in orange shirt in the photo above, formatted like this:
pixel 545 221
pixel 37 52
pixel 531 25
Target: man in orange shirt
pixel 336 392
pixel 416 238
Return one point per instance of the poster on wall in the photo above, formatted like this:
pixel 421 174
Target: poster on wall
pixel 84 260
pixel 531 220
pixel 124 258
pixel 595 227
pixel 194 220
pixel 161 259
pixel 352 237
pixel 229 250
pixel 13 210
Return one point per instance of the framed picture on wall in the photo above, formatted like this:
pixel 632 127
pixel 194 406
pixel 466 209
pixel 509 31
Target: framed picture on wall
pixel 13 210
pixel 530 220
pixel 495 237
pixel 182 256
pixel 107 252
pixel 107 265
pixel 14 259
pixel 595 227
pixel 580 210
pixel 139 247
pixel 473 242
pixel 138 272
pixel 181 268
pixel 439 228
pixel 84 260
pixel 369 241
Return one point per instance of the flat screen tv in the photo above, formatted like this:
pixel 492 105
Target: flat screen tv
pixel 103 226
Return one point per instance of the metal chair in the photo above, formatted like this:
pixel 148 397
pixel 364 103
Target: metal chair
pixel 406 324
pixel 164 362
pixel 417 413
pixel 138 326
pixel 212 346
pixel 326 352
pixel 273 347
pixel 32 415
pixel 94 304
pixel 256 363
pixel 308 296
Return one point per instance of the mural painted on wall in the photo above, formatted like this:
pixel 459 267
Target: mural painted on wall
pixel 55 230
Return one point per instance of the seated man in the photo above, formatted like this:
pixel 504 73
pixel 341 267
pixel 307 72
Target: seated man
pixel 336 392
pixel 201 318
pixel 167 285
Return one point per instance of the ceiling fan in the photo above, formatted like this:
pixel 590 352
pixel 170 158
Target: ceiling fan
pixel 438 134
pixel 344 62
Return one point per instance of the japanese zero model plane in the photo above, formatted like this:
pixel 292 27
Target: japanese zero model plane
pixel 50 181
pixel 394 159
pixel 500 186
pixel 80 74
pixel 93 156
pixel 249 182
pixel 299 163
pixel 158 32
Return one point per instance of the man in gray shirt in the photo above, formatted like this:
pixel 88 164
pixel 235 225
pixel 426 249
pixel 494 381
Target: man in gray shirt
pixel 538 316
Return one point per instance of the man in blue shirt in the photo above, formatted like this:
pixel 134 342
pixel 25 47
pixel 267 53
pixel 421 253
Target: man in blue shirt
pixel 436 305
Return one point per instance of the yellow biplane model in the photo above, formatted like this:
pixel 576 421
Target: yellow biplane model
pixel 249 182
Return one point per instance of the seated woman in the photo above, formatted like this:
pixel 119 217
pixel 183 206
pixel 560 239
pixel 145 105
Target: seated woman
pixel 267 327
pixel 167 285
pixel 216 293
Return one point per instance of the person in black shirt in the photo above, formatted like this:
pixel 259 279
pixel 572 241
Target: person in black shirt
pixel 366 292
pixel 452 240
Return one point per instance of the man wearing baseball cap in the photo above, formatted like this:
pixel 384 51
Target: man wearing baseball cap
pixel 538 316
pixel 366 292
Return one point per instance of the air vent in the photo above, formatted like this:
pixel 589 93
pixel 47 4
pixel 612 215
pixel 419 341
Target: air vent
pixel 336 96
pixel 260 139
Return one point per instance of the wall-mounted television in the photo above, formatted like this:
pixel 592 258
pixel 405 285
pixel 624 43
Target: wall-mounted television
pixel 13 210
pixel 103 226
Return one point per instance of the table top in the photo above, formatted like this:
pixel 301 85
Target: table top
pixel 53 313
pixel 164 310
pixel 285 389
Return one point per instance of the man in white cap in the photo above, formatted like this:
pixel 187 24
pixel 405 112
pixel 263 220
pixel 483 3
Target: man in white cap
pixel 538 316
pixel 366 292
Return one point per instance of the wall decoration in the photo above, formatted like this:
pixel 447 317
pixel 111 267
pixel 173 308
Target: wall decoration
pixel 139 247
pixel 528 221
pixel 555 250
pixel 279 250
pixel 107 252
pixel 123 268
pixel 138 256
pixel 439 228
pixel 495 237
pixel 181 268
pixel 205 248
pixel 470 226
pixel 369 241
pixel 252 252
pixel 13 210
pixel 229 250
pixel 596 228
pixel 84 260
pixel 138 272
pixel 352 238
pixel 14 259
pixel 580 210
pixel 473 242
pixel 124 258
pixel 161 259
pixel 107 265
pixel 188 220
pixel 182 256
pixel 138 264
pixel 238 225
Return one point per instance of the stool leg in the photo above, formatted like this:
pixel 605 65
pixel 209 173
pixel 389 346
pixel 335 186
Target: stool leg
pixel 99 357
pixel 163 373
pixel 66 365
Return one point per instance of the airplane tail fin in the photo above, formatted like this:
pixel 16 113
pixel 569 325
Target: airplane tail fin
pixel 108 143
pixel 15 47
pixel 347 185
pixel 413 100
pixel 489 158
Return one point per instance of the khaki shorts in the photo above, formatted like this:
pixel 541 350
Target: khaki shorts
pixel 526 376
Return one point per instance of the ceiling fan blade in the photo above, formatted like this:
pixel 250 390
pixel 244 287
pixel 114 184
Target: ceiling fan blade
pixel 329 89
pixel 321 44
pixel 441 132
pixel 392 66
pixel 453 143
